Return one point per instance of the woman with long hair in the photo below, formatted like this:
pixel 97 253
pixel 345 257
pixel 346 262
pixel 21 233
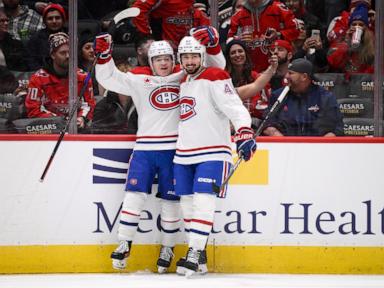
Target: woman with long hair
pixel 239 66
pixel 355 54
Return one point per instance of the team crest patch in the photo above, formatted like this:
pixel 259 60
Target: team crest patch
pixel 133 181
pixel 165 98
pixel 228 89
pixel 314 108
pixel 187 108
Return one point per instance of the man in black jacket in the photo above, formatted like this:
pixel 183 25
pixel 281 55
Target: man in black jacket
pixel 308 109
pixel 54 18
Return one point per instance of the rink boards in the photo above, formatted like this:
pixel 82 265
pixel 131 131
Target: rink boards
pixel 302 205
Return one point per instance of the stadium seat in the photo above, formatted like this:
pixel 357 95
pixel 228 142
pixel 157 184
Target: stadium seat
pixel 51 125
pixel 92 25
pixel 361 86
pixel 358 127
pixel 334 82
pixel 10 106
pixel 356 107
pixel 124 52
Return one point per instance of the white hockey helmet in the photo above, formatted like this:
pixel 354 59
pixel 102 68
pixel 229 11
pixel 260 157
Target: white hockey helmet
pixel 190 45
pixel 158 48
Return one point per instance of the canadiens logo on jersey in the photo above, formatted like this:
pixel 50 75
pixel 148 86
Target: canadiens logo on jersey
pixel 165 97
pixel 187 108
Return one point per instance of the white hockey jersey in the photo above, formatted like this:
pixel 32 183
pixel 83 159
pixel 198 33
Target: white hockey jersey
pixel 156 99
pixel 208 102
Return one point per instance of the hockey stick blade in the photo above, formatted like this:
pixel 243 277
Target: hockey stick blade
pixel 216 188
pixel 127 13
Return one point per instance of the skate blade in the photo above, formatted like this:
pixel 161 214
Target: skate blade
pixel 162 270
pixel 203 269
pixel 119 264
pixel 180 271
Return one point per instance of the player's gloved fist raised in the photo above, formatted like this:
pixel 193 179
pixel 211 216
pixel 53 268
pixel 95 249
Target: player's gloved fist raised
pixel 103 47
pixel 206 35
pixel 245 142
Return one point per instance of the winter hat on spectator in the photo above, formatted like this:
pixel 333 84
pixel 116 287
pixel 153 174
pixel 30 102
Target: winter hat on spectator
pixel 354 3
pixel 56 40
pixel 54 6
pixel 233 42
pixel 283 43
pixel 302 65
pixel 360 13
pixel 86 36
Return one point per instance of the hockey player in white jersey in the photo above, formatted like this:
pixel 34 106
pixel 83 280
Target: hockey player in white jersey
pixel 208 102
pixel 156 97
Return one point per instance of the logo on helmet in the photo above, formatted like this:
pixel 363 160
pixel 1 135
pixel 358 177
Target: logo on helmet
pixel 187 110
pixel 165 98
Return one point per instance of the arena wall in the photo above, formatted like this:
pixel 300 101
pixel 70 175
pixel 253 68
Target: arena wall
pixel 301 205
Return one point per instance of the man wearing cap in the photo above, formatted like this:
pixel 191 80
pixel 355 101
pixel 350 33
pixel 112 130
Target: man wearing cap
pixel 48 87
pixel 54 18
pixel 284 52
pixel 356 53
pixel 308 109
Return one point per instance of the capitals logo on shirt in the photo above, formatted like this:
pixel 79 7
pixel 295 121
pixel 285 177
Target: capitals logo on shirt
pixel 165 98
pixel 187 105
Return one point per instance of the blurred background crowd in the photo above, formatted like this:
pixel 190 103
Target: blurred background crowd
pixel 336 36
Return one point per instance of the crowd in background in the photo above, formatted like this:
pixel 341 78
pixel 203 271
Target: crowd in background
pixel 335 36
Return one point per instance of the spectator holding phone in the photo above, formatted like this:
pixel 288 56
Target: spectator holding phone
pixel 311 48
pixel 258 23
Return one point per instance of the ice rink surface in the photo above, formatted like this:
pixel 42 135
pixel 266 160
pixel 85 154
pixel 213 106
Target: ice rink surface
pixel 151 280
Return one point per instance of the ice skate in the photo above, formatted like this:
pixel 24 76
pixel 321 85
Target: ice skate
pixel 191 264
pixel 202 269
pixel 165 258
pixel 180 270
pixel 120 255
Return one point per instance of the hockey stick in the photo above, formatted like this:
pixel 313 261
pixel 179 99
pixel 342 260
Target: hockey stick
pixel 70 116
pixel 271 112
pixel 127 13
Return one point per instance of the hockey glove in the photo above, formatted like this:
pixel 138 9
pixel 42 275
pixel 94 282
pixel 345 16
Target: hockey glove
pixel 206 35
pixel 103 47
pixel 245 142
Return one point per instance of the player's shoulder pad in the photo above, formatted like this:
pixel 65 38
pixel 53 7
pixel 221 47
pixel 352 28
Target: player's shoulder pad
pixel 214 74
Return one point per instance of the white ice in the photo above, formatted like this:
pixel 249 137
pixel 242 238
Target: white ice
pixel 151 280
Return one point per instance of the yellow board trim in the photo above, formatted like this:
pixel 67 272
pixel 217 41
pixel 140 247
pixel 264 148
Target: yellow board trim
pixel 253 172
pixel 221 259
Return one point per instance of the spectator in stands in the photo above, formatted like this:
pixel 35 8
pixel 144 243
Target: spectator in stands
pixel 54 18
pixel 141 47
pixel 259 23
pixel 12 51
pixel 23 22
pixel 8 82
pixel 284 52
pixel 239 66
pixel 86 56
pixel 357 52
pixel 48 87
pixel 311 21
pixel 311 48
pixel 226 10
pixel 340 25
pixel 308 109
pixel 177 18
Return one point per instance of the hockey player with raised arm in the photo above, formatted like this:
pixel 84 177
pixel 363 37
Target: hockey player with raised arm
pixel 208 102
pixel 155 94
